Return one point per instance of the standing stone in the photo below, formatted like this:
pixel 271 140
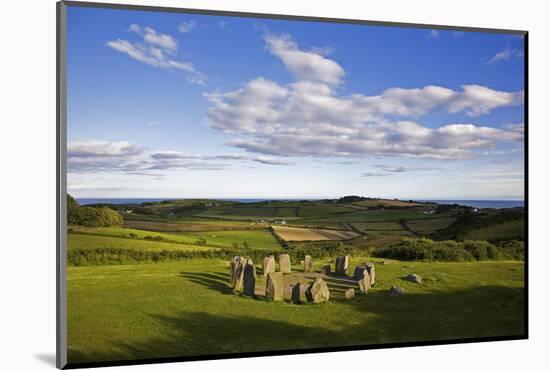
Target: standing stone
pixel 233 267
pixel 396 291
pixel 359 272
pixel 284 263
pixel 364 283
pixel 237 272
pixel 295 294
pixel 341 265
pixel 308 264
pixel 414 278
pixel 274 286
pixel 370 269
pixel 325 270
pixel 350 294
pixel 318 291
pixel 249 278
pixel 269 265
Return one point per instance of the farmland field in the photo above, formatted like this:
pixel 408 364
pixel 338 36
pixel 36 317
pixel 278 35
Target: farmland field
pixel 257 238
pixel 165 310
pixel 393 226
pixel 430 225
pixel 188 225
pixel 82 241
pixel 509 229
pixel 301 234
pixel 386 202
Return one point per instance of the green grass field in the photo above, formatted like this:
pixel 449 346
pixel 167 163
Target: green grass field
pixel 393 226
pixel 510 229
pixel 256 238
pixel 90 241
pixel 430 225
pixel 187 309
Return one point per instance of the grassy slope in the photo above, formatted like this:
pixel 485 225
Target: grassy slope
pixel 181 309
pixel 82 241
pixel 510 229
pixel 430 225
pixel 257 238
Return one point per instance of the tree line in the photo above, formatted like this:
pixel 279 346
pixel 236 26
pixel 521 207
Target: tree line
pixel 91 216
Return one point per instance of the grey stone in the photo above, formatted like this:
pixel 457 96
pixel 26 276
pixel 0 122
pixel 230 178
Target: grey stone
pixel 237 271
pixel 274 286
pixel 308 264
pixel 414 278
pixel 284 263
pixel 318 291
pixel 359 272
pixel 349 294
pixel 341 265
pixel 372 274
pixel 295 294
pixel 364 283
pixel 325 270
pixel 249 278
pixel 268 265
pixel 396 291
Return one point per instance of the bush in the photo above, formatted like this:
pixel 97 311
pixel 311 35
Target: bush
pixel 91 216
pixel 423 249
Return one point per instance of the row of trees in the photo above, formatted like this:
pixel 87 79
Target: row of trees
pixel 91 216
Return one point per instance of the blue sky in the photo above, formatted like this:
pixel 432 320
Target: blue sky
pixel 183 105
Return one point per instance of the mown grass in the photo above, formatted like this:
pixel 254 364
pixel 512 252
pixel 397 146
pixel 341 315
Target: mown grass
pixel 187 309
pixel 255 239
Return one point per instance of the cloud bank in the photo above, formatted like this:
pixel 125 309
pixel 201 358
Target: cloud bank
pixel 309 117
pixel 92 156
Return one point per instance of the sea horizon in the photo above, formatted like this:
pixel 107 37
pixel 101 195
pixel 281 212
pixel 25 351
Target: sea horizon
pixel 476 203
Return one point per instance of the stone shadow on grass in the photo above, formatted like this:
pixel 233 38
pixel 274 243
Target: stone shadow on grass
pixel 209 280
pixel 477 312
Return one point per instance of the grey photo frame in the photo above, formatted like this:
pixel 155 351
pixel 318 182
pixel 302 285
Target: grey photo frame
pixel 61 190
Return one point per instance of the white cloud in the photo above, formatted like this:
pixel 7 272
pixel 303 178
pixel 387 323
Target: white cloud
pixel 272 161
pixel 304 65
pixel 477 100
pixel 97 156
pixel 100 148
pixel 157 50
pixel 400 169
pixel 187 26
pixel 310 119
pixel 375 174
pixel 153 37
pixel 505 55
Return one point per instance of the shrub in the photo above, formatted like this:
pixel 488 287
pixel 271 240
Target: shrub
pixel 91 216
pixel 423 249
